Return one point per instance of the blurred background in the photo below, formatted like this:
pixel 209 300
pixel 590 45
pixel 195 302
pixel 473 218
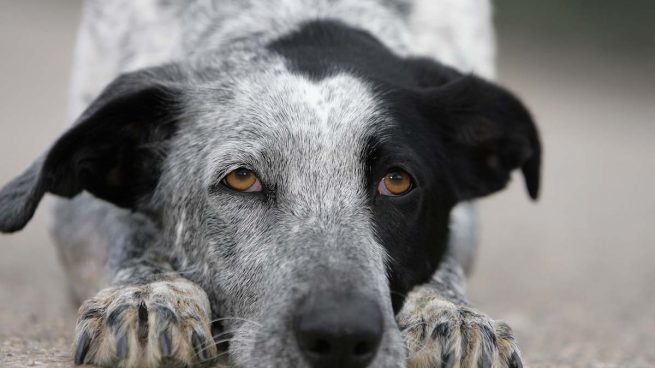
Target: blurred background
pixel 573 274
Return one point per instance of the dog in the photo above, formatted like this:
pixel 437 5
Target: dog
pixel 280 184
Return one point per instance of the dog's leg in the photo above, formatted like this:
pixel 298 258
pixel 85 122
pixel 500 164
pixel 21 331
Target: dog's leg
pixel 441 329
pixel 150 316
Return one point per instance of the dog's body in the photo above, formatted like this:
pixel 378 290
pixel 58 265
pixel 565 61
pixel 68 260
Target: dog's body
pixel 302 92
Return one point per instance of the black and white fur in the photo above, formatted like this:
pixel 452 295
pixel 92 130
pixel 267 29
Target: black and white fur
pixel 320 98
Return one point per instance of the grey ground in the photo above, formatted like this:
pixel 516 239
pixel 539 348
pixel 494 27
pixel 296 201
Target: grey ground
pixel 574 274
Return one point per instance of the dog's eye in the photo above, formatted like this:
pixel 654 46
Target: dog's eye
pixel 395 183
pixel 243 180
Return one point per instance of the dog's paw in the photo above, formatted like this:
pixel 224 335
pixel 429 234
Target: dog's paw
pixel 441 334
pixel 163 323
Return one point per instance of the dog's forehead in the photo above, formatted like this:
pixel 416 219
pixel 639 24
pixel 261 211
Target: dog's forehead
pixel 340 105
pixel 295 122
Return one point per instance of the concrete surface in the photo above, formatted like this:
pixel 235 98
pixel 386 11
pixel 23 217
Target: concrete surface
pixel 573 274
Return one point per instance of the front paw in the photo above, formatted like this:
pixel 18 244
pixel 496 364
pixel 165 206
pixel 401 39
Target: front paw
pixel 441 334
pixel 161 323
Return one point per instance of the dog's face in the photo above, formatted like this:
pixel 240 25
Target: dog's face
pixel 306 191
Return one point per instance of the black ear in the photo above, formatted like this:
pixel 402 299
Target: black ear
pixel 114 151
pixel 487 133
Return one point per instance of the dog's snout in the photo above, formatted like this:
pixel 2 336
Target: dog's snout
pixel 338 330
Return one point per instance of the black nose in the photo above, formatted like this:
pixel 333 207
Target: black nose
pixel 338 330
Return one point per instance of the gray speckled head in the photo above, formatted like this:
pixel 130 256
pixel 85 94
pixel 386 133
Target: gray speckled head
pixel 310 229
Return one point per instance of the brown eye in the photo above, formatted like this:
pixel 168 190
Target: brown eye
pixel 395 183
pixel 243 180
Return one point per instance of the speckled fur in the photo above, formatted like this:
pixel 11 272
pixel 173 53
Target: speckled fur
pixel 265 272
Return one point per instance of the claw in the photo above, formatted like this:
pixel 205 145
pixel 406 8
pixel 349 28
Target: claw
pixel 199 345
pixel 442 329
pixel 82 348
pixel 489 341
pixel 121 347
pixel 142 323
pixel 448 361
pixel 515 361
pixel 115 317
pixel 485 361
pixel 165 344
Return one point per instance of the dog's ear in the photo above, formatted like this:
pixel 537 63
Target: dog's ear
pixel 114 151
pixel 487 131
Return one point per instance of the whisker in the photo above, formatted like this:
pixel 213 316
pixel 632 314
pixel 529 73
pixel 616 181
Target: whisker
pixel 213 358
pixel 223 333
pixel 399 294
pixel 254 332
pixel 220 342
pixel 230 339
pixel 416 324
pixel 236 319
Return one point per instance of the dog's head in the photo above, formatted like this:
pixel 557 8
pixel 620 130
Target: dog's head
pixel 307 189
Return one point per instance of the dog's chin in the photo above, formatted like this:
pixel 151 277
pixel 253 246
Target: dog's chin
pixel 258 346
